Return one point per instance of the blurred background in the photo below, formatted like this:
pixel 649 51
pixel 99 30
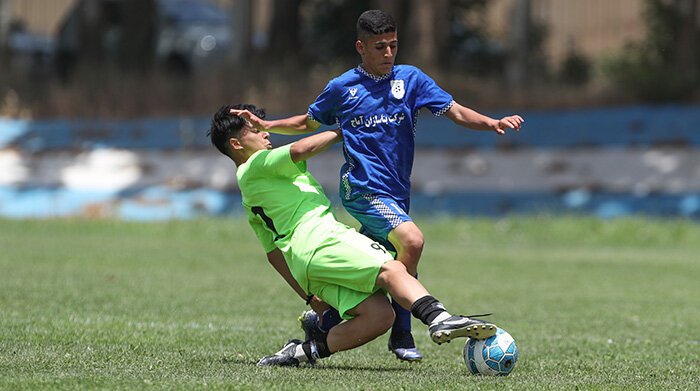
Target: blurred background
pixel 104 104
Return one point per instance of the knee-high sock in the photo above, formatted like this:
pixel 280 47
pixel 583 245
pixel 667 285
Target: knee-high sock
pixel 402 322
pixel 403 318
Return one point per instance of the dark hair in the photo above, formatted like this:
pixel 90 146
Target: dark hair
pixel 374 22
pixel 225 125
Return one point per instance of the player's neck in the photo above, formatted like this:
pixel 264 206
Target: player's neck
pixel 373 72
pixel 239 161
pixel 240 158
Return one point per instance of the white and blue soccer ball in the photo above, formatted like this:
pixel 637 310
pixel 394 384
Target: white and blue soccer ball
pixel 495 356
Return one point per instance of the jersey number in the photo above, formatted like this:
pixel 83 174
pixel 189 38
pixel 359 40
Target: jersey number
pixel 268 221
pixel 378 246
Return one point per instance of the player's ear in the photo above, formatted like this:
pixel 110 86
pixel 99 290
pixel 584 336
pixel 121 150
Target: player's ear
pixel 360 47
pixel 235 143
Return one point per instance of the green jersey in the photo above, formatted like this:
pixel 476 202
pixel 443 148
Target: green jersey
pixel 288 210
pixel 285 205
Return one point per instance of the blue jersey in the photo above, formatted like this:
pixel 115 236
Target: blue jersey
pixel 377 115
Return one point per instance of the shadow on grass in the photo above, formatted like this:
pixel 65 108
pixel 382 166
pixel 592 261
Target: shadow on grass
pixel 341 367
pixel 320 367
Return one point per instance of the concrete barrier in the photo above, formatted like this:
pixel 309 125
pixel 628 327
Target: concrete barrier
pixel 637 126
pixel 608 162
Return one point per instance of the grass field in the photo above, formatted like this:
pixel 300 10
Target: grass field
pixel 102 304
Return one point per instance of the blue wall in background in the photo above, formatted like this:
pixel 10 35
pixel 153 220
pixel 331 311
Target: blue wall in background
pixel 156 203
pixel 629 127
pixel 620 127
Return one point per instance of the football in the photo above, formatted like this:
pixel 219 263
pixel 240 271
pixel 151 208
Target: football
pixel 494 356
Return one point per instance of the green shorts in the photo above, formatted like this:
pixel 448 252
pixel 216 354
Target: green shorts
pixel 343 270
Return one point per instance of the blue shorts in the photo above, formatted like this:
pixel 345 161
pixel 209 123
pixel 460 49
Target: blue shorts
pixel 378 215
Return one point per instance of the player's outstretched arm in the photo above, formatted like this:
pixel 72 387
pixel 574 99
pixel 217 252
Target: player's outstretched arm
pixel 469 118
pixel 313 145
pixel 277 261
pixel 298 124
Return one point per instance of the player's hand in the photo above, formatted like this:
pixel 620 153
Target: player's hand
pixel 512 122
pixel 251 119
pixel 319 306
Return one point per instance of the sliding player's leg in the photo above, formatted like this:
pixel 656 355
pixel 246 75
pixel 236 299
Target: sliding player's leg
pixel 386 220
pixel 369 319
pixel 442 326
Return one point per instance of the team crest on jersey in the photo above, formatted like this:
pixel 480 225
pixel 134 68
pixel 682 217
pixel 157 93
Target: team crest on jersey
pixel 397 89
pixel 353 91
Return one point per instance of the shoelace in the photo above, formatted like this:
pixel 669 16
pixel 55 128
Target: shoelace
pixel 477 316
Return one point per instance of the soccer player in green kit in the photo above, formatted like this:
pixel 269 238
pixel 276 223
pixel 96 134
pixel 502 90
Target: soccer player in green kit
pixel 324 261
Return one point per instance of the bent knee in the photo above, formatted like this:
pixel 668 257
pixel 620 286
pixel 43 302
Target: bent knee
pixel 414 242
pixel 410 237
pixel 385 318
pixel 388 270
pixel 377 313
pixel 392 267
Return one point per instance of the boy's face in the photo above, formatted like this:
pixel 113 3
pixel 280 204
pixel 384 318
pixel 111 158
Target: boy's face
pixel 251 140
pixel 378 52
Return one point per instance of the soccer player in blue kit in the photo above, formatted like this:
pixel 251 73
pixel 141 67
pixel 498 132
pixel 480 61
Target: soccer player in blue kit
pixel 376 106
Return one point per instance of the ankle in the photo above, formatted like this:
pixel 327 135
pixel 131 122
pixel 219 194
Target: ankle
pixel 427 309
pixel 302 353
pixel 314 350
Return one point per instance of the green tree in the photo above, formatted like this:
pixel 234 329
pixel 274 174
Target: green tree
pixel 329 30
pixel 284 29
pixel 664 66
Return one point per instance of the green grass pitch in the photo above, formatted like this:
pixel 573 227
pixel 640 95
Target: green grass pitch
pixel 192 305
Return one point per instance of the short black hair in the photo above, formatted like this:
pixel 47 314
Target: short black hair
pixel 225 125
pixel 374 22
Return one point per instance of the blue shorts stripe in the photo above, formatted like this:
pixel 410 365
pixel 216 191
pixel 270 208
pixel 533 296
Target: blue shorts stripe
pixel 378 215
pixel 390 211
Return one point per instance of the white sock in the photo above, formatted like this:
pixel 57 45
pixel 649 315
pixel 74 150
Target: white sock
pixel 300 355
pixel 443 315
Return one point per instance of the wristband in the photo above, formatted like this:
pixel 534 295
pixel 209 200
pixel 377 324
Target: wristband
pixel 309 298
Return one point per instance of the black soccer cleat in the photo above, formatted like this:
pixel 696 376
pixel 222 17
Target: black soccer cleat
pixel 283 358
pixel 460 326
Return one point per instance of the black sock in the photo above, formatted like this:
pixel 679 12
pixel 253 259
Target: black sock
pixel 322 345
pixel 317 348
pixel 427 308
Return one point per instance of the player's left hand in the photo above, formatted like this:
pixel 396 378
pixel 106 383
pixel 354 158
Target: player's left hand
pixel 318 305
pixel 511 122
pixel 251 119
